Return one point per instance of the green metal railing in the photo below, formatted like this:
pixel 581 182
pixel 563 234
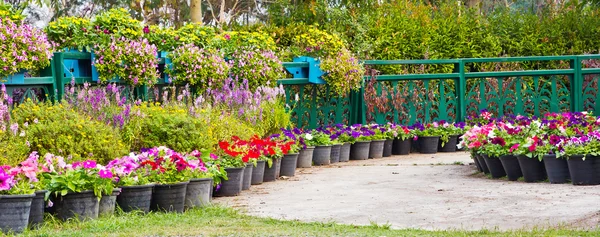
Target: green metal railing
pixel 463 88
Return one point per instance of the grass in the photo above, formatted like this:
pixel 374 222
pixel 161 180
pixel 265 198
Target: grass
pixel 221 221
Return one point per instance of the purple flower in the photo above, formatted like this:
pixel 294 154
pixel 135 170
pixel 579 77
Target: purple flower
pixel 6 180
pixel 355 134
pixel 89 164
pixel 105 174
pixel 146 30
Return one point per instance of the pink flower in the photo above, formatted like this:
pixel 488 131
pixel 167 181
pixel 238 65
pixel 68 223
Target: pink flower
pixel 6 181
pixel 514 147
pixel 89 164
pixel 105 174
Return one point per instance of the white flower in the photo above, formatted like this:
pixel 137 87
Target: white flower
pixel 22 134
pixel 309 136
pixel 297 98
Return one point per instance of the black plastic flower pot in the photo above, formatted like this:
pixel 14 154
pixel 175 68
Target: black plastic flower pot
pixel 258 173
pixel 482 163
pixel 83 205
pixel 271 172
pixel 14 212
pixel 582 170
pixel 449 146
pixel 135 198
pixel 169 197
pixel 476 161
pixel 532 168
pixel 233 185
pixel 511 167
pixel 376 149
pixel 305 158
pixel 36 215
pixel 197 193
pixel 106 206
pixel 247 176
pixel 401 147
pixel 288 165
pixel 345 152
pixel 335 153
pixel 360 150
pixel 429 145
pixel 495 166
pixel 321 155
pixel 387 147
pixel 557 169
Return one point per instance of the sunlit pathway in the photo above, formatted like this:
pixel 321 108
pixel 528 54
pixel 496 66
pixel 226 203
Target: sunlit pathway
pixel 419 191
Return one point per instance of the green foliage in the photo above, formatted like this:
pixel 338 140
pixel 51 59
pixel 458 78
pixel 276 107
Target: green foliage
pixel 316 43
pixel 197 34
pixel 316 138
pixel 13 147
pixel 343 72
pixel 274 117
pixel 59 130
pixel 7 11
pixel 165 38
pixel 115 23
pixel 198 67
pixel 232 41
pixel 69 32
pixel 76 181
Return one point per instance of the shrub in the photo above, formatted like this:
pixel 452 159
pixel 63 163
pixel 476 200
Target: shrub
pixel 115 23
pixel 197 66
pixel 133 61
pixel 260 68
pixel 69 32
pixel 16 41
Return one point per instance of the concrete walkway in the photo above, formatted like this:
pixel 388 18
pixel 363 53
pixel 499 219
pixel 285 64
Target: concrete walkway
pixel 420 191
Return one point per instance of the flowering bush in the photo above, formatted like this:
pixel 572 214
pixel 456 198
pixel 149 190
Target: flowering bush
pixel 197 66
pixel 316 43
pixel 165 38
pixel 70 32
pixel 133 61
pixel 24 48
pixel 343 72
pixel 115 23
pixel 196 34
pixel 7 11
pixel 259 68
pixel 232 41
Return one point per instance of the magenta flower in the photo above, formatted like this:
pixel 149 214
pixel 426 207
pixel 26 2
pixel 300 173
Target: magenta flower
pixel 6 181
pixel 105 174
pixel 89 164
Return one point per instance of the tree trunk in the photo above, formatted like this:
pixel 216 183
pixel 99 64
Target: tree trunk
pixel 196 10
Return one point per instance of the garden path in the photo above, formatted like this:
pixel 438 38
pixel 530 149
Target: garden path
pixel 433 192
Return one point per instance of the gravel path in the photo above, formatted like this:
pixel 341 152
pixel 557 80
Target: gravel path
pixel 420 191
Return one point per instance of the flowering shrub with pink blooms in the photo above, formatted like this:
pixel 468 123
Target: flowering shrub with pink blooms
pixel 24 48
pixel 198 67
pixel 133 61
pixel 259 68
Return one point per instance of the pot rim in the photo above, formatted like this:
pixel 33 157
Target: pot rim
pixel 16 196
pixel 138 186
pixel 234 168
pixel 323 146
pixel 199 179
pixel 429 136
pixel 175 184
pixel 291 154
pixel 362 142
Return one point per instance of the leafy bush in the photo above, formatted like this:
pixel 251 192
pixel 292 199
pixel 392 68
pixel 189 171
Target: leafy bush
pixel 197 66
pixel 197 34
pixel 69 32
pixel 59 130
pixel 165 38
pixel 115 23
pixel 260 68
pixel 134 61
pixel 18 39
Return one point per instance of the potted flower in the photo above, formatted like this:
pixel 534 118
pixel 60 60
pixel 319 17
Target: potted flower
pixel 132 61
pixel 169 170
pixel 290 149
pixel 428 137
pixel 20 39
pixel 234 160
pixel 16 196
pixel 343 72
pixel 377 140
pixel 198 67
pixel 322 143
pixel 361 142
pixel 306 152
pixel 581 153
pixel 389 133
pixel 530 154
pixel 34 171
pixel 198 190
pixel 402 140
pixel 555 136
pixel 342 135
pixel 473 140
pixel 76 188
pixel 449 136
pixel 493 150
pixel 136 188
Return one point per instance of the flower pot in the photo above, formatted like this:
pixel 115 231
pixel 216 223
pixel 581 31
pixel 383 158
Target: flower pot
pixel 270 172
pixel 476 161
pixel 258 173
pixel 533 169
pixel 376 149
pixel 557 169
pixel 278 168
pixel 360 150
pixel 335 153
pixel 582 170
pixel 345 152
pixel 482 163
pixel 288 164
pixel 83 205
pixel 401 147
pixel 14 212
pixel 169 197
pixel 511 167
pixel 36 215
pixel 233 185
pixel 247 176
pixel 305 158
pixel 387 147
pixel 428 145
pixel 106 206
pixel 134 198
pixel 495 166
pixel 197 193
pixel 449 146
pixel 321 155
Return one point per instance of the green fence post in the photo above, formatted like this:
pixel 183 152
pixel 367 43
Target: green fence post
pixel 59 75
pixel 576 85
pixel 460 89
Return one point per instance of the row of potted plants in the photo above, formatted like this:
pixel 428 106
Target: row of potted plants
pixel 560 147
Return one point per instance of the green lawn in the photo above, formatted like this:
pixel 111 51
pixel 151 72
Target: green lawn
pixel 220 221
